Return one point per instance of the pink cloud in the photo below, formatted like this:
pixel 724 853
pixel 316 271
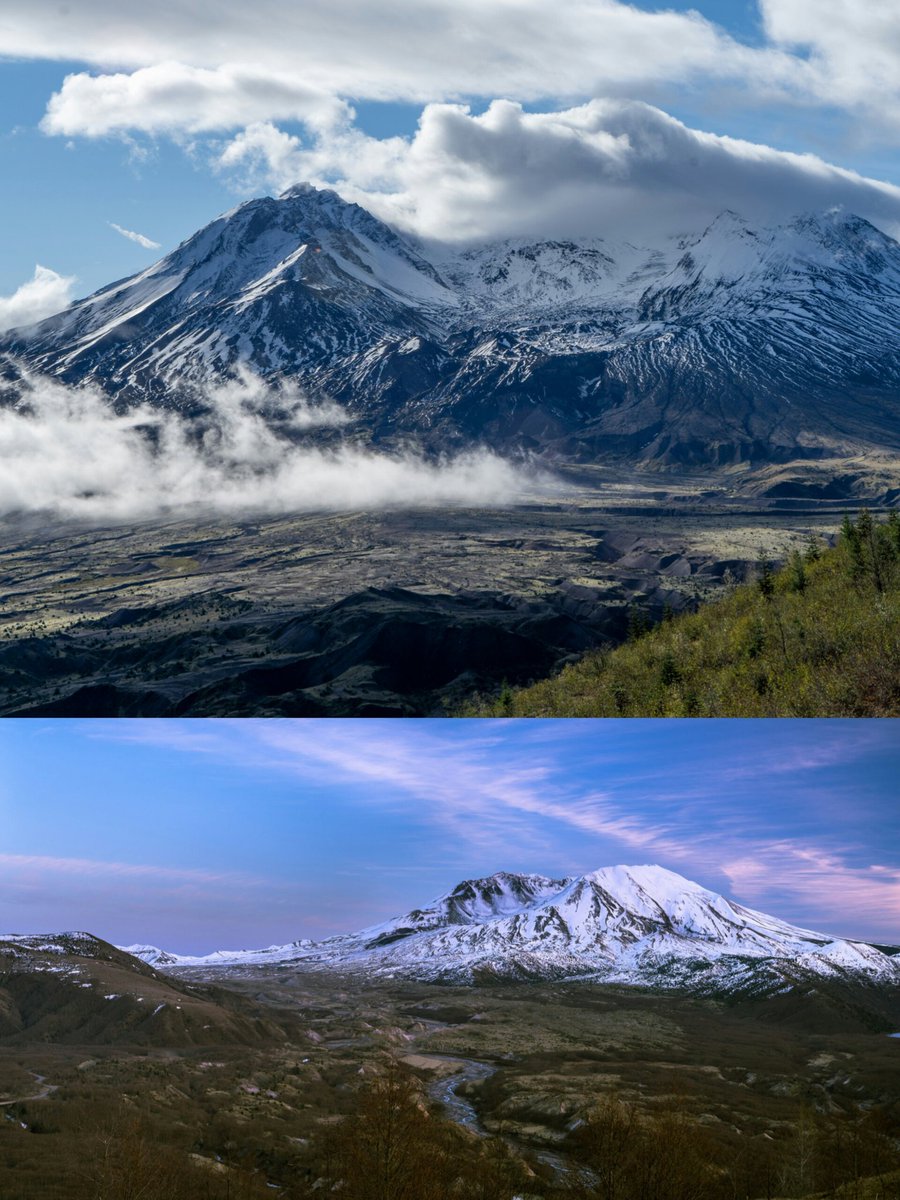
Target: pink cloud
pixel 820 880
pixel 48 865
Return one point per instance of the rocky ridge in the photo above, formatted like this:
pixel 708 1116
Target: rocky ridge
pixel 639 926
pixel 734 343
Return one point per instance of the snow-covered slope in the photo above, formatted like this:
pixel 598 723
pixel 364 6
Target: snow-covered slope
pixel 732 342
pixel 77 943
pixel 151 955
pixel 640 925
pixel 278 285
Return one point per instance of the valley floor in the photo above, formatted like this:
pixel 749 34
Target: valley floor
pixel 370 614
pixel 528 1078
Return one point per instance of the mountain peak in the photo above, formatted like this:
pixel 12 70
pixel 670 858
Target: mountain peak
pixel 652 878
pixel 503 878
pixel 729 221
pixel 325 206
pixel 309 191
pixel 641 925
pixel 303 188
pixel 737 344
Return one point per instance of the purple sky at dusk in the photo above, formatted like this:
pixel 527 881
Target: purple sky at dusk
pixel 199 835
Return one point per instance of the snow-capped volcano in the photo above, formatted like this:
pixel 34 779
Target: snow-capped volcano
pixel 734 342
pixel 640 925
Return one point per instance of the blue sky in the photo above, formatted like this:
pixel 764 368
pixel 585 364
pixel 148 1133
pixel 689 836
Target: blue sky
pixel 173 112
pixel 198 835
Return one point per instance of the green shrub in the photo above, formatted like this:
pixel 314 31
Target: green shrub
pixel 819 637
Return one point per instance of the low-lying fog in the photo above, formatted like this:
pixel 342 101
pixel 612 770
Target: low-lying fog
pixel 67 452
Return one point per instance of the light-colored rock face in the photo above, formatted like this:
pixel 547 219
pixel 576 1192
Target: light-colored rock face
pixel 641 925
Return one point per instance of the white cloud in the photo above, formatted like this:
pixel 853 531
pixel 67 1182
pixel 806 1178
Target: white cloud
pixel 46 293
pixel 851 51
pixel 263 57
pixel 146 242
pixel 67 452
pixel 188 73
pixel 608 168
pixel 172 98
pixel 406 49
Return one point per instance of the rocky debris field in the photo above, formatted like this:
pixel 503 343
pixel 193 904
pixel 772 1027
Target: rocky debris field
pixel 367 614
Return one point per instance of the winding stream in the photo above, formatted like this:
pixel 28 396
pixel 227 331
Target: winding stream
pixel 462 1111
pixel 46 1089
pixel 443 1090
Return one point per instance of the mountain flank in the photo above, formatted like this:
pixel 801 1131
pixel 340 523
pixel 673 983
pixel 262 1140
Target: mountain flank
pixel 732 344
pixel 818 638
pixel 638 926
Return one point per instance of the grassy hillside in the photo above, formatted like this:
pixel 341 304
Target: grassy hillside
pixel 76 989
pixel 819 637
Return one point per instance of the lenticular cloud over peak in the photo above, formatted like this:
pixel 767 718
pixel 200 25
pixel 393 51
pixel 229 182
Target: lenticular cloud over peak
pixel 608 167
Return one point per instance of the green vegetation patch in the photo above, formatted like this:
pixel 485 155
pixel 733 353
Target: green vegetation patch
pixel 819 637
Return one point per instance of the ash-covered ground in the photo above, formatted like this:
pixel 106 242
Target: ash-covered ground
pixel 368 614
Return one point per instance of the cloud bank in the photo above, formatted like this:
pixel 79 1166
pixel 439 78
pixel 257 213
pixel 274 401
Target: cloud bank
pixel 606 168
pixel 67 452
pixel 416 50
pixel 571 169
pixel 275 63
pixel 42 296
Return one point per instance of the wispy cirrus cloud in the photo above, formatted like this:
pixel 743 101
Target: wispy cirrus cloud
pixel 795 757
pixel 98 869
pixel 147 243
pixel 474 789
pixel 510 793
pixel 822 881
pixel 507 793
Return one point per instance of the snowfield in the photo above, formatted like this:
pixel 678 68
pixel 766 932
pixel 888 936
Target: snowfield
pixel 735 335
pixel 634 925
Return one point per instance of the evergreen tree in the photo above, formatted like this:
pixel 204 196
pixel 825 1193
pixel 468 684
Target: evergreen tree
pixel 765 579
pixel 851 539
pixel 871 548
pixel 892 530
pixel 798 572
